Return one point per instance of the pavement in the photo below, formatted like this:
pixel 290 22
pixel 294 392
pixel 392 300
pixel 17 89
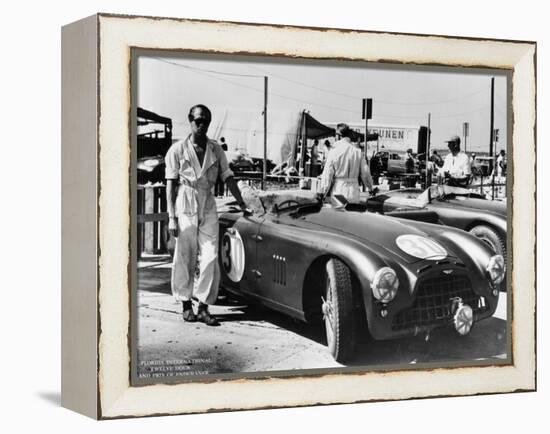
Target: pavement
pixel 253 339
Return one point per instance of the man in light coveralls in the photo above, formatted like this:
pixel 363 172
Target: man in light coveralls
pixel 343 168
pixel 193 166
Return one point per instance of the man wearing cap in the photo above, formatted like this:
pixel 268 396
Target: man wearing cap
pixel 343 168
pixel 193 166
pixel 456 165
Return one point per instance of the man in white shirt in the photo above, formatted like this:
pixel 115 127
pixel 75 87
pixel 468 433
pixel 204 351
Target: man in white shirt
pixel 344 166
pixel 456 166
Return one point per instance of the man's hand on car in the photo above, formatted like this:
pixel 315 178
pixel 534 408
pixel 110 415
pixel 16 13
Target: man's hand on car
pixel 245 209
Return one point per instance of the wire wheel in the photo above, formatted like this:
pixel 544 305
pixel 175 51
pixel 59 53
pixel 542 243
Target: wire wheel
pixel 337 308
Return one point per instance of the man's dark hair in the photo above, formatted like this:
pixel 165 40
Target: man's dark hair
pixel 344 130
pixel 205 109
pixel 222 139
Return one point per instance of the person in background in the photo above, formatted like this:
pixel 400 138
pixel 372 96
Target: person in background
pixel 472 162
pixel 456 166
pixel 500 172
pixel 314 163
pixel 314 151
pixel 219 190
pixel 501 164
pixel 409 161
pixel 344 166
pixel 192 167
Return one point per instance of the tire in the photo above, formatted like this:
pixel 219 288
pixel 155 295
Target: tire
pixel 338 311
pixel 497 243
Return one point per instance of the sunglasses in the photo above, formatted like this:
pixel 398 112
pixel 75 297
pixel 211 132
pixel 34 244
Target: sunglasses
pixel 201 121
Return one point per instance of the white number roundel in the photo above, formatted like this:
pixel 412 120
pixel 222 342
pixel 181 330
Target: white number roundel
pixel 232 253
pixel 421 247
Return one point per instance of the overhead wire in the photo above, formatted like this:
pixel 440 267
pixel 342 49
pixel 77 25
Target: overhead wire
pixel 206 70
pixel 211 73
pixel 378 101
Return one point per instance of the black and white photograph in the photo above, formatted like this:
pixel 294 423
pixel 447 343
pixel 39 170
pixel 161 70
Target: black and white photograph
pixel 296 217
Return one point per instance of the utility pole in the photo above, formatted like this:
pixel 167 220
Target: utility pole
pixel 264 174
pixel 428 181
pixel 492 119
pixel 465 133
pixel 366 135
pixel 367 114
pixel 304 150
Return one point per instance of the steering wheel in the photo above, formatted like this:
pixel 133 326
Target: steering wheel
pixel 288 202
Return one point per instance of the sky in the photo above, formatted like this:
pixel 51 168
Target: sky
pixel 331 91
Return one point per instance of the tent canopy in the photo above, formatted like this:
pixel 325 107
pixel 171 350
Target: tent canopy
pixel 315 129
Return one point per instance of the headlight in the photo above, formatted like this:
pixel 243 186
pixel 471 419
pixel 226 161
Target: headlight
pixel 496 269
pixel 384 285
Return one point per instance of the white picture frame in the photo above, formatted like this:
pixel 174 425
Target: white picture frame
pixel 96 215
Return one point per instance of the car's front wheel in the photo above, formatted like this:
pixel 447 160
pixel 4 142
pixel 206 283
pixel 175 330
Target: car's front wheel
pixel 497 243
pixel 337 308
pixel 491 237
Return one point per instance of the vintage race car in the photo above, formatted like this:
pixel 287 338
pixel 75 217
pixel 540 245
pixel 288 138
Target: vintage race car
pixel 454 206
pixel 356 271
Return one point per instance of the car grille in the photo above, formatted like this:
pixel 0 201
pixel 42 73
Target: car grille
pixel 432 304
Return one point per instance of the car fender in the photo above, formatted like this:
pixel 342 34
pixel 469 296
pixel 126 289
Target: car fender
pixel 363 262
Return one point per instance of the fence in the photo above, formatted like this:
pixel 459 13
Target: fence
pixel 492 187
pixel 152 219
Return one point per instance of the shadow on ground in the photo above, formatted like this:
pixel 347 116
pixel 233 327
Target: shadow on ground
pixel 487 340
pixel 52 398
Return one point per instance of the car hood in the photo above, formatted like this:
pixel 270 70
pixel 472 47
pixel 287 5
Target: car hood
pixel 374 230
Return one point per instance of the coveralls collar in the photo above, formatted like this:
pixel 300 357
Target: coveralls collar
pixel 209 157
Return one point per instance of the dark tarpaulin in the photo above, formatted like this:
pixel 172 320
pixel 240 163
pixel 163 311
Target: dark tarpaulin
pixel 315 129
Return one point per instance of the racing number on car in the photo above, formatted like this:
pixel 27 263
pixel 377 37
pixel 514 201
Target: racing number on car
pixel 226 253
pixel 421 247
pixel 232 251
